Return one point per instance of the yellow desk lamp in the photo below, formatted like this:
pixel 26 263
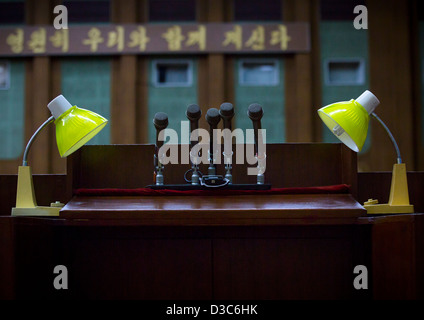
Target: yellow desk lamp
pixel 74 128
pixel 348 121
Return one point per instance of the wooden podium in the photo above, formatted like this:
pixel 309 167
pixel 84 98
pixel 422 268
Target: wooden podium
pixel 212 247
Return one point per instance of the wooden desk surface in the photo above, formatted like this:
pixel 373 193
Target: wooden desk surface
pixel 210 210
pixel 274 247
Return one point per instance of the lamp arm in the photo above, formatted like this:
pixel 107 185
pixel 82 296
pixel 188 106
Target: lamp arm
pixel 399 158
pixel 25 158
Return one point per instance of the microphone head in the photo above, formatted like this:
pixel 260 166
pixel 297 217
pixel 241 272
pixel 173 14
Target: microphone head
pixel 160 120
pixel 212 116
pixel 226 110
pixel 193 112
pixel 255 112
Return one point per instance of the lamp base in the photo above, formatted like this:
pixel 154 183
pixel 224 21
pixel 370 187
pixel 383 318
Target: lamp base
pixel 399 197
pixel 26 205
pixel 373 207
pixel 38 211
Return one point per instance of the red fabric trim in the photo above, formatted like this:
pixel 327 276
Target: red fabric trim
pixel 341 188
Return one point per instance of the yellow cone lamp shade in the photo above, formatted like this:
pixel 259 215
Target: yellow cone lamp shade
pixel 74 127
pixel 348 121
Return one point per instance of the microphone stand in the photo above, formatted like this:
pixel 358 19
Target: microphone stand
pixel 213 118
pixel 226 111
pixel 193 114
pixel 160 121
pixel 255 113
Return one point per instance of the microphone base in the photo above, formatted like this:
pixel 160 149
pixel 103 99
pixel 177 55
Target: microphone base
pixel 229 176
pixel 261 179
pixel 159 179
pixel 195 179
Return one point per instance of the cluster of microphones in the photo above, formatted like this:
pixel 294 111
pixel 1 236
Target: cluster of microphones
pixel 213 117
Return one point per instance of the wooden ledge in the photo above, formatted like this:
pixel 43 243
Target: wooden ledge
pixel 215 211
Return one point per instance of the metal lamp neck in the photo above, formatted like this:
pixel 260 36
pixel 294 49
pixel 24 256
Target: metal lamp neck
pixel 25 158
pixel 399 158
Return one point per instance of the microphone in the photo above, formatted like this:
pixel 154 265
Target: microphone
pixel 193 114
pixel 213 118
pixel 160 121
pixel 255 114
pixel 226 112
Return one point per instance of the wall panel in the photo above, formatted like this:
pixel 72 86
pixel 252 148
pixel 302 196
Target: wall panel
pixel 12 111
pixel 86 84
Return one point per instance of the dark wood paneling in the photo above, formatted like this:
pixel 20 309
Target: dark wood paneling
pixel 142 80
pixel 104 265
pixel 35 249
pixel 419 255
pixel 287 165
pixel 205 262
pixel 395 278
pixel 133 169
pixel 7 258
pixel 279 268
pixel 257 10
pixel 129 88
pixel 12 13
pixel 339 10
pixel 172 10
pixel 124 82
pixel 88 11
pixel 212 79
pixel 123 106
pixel 391 81
pixel 301 76
pixel 142 120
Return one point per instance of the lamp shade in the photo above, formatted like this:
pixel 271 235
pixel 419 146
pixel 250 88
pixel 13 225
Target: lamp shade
pixel 348 120
pixel 75 127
